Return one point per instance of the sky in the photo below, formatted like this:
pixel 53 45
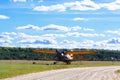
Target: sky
pixel 90 24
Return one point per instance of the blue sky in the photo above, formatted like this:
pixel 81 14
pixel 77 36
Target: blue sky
pixel 60 23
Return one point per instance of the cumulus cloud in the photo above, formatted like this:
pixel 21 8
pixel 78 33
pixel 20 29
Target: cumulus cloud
pixel 57 7
pixel 29 27
pixel 50 27
pixel 19 0
pixel 26 36
pixel 29 39
pixel 88 42
pixel 77 34
pixel 69 44
pixel 54 35
pixel 55 27
pixel 9 33
pixel 76 5
pixel 76 28
pixel 4 17
pixel 6 37
pixel 22 39
pixel 50 40
pixel 117 32
pixel 41 8
pixel 111 6
pixel 40 0
pixel 80 6
pixel 5 40
pixel 88 29
pixel 35 41
pixel 76 44
pixel 79 19
pixel 113 43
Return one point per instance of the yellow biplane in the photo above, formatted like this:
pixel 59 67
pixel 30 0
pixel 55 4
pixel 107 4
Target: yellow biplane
pixel 65 56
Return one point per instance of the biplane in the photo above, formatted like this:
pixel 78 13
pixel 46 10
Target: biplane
pixel 65 56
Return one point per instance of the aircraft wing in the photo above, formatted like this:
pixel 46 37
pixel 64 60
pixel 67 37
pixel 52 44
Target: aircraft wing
pixel 45 51
pixel 81 52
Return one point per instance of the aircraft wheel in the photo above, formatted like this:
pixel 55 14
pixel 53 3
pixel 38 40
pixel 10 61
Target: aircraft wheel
pixel 68 62
pixel 55 63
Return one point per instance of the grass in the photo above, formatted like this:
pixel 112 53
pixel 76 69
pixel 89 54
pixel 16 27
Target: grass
pixel 118 71
pixel 10 68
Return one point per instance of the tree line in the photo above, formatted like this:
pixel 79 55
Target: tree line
pixel 18 53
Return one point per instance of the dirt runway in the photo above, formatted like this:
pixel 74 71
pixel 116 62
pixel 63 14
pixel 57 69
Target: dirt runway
pixel 89 73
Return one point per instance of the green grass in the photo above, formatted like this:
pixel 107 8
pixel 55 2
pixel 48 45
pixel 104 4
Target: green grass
pixel 10 68
pixel 118 71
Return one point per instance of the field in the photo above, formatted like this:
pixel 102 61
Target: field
pixel 10 68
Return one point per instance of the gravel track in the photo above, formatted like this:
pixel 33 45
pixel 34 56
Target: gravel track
pixel 89 73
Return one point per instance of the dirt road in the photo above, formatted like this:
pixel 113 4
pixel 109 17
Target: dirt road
pixel 91 73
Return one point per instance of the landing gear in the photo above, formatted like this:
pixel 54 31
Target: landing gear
pixel 68 61
pixel 54 63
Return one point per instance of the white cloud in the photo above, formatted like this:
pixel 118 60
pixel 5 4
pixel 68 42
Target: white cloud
pixel 50 40
pixel 74 44
pixel 4 17
pixel 5 40
pixel 88 29
pixel 117 32
pixel 41 8
pixel 113 43
pixel 54 35
pixel 29 39
pixel 55 27
pixel 9 33
pixel 77 34
pixel 25 36
pixel 88 44
pixel 57 7
pixel 6 37
pixel 69 44
pixel 25 39
pixel 50 27
pixel 76 28
pixel 40 0
pixel 82 5
pixel 111 6
pixel 76 5
pixel 29 27
pixel 79 19
pixel 19 0
pixel 37 41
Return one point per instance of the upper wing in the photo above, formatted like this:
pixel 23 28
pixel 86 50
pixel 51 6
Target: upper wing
pixel 81 52
pixel 45 51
